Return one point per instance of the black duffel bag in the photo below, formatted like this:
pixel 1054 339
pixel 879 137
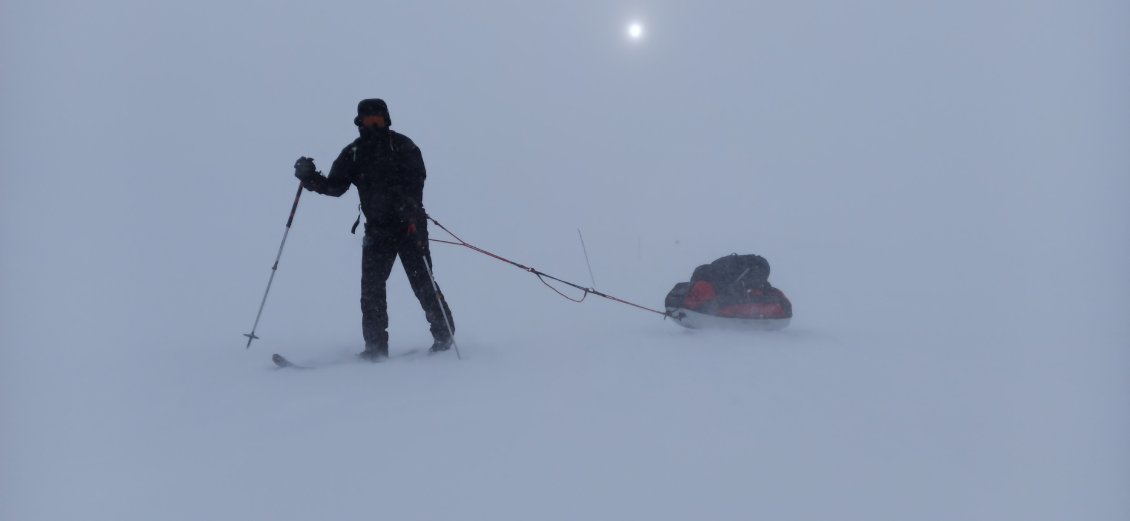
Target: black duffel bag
pixel 734 273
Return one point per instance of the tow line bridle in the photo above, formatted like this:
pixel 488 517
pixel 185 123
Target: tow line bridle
pixel 542 276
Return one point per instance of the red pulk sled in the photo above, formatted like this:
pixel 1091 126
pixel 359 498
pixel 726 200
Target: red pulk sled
pixel 730 293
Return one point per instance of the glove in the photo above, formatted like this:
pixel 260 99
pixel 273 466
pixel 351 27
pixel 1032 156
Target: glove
pixel 304 169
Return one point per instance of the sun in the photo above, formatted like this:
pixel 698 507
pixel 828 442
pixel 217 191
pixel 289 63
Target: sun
pixel 635 30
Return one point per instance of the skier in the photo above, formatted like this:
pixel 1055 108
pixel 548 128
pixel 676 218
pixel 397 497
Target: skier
pixel 388 170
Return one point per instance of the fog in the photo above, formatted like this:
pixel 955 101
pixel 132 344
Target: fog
pixel 940 187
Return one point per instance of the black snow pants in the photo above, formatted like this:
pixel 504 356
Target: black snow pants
pixel 382 244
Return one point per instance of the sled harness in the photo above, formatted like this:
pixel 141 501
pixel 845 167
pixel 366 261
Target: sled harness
pixel 542 276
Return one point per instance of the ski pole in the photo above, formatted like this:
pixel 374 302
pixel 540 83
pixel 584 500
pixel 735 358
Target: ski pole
pixel 439 302
pixel 251 336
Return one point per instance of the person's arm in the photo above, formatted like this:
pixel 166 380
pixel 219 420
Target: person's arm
pixel 336 184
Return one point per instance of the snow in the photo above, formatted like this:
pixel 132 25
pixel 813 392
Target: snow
pixel 941 191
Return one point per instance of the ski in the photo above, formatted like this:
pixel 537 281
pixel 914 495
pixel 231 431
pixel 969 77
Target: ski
pixel 282 362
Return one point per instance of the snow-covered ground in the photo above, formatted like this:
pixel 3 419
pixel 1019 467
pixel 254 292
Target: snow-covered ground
pixel 943 197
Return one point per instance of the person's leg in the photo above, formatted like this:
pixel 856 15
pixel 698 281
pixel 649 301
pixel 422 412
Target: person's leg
pixel 377 257
pixel 413 251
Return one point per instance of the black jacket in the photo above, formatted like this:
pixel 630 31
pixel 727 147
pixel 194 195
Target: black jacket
pixel 388 170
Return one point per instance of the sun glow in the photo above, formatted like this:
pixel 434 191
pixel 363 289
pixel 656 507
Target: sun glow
pixel 635 30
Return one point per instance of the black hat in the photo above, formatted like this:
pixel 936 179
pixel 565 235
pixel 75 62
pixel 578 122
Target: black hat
pixel 372 107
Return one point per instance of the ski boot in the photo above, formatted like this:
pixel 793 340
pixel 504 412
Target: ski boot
pixel 441 344
pixel 375 352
